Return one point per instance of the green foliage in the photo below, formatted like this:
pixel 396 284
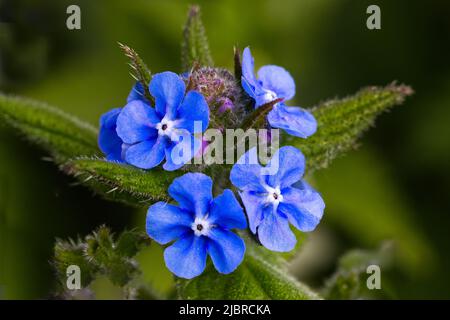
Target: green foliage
pixel 99 254
pixel 122 182
pixel 262 275
pixel 349 281
pixel 341 123
pixel 72 253
pixel 63 135
pixel 129 243
pixel 194 47
pixel 139 70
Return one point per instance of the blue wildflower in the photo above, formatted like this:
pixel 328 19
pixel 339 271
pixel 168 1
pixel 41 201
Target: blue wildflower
pixel 167 130
pixel 200 225
pixel 275 196
pixel 275 82
pixel 108 140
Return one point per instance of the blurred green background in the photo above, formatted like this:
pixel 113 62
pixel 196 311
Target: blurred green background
pixel 395 187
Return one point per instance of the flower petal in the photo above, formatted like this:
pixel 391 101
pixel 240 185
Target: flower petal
pixel 137 122
pixel 193 109
pixel 303 206
pixel 226 250
pixel 137 93
pixel 108 140
pixel 278 80
pixel 294 120
pixel 146 154
pixel 109 119
pixel 186 258
pixel 171 164
pixel 193 192
pixel 226 211
pixel 168 90
pixel 248 80
pixel 180 153
pixel 248 68
pixel 125 147
pixel 166 222
pixel 246 172
pixel 286 167
pixel 251 91
pixel 275 234
pixel 255 205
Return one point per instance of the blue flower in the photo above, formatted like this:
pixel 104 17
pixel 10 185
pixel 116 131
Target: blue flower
pixel 275 82
pixel 108 140
pixel 167 130
pixel 275 196
pixel 200 225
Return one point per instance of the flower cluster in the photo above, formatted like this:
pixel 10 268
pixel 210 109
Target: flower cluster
pixel 162 122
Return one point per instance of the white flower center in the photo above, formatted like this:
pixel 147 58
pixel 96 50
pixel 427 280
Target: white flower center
pixel 269 95
pixel 274 195
pixel 201 227
pixel 165 127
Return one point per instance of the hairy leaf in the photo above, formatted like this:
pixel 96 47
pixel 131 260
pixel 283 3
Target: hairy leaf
pixel 100 254
pixel 139 70
pixel 194 46
pixel 69 253
pixel 262 275
pixel 122 182
pixel 129 242
pixel 341 122
pixel 349 281
pixel 64 136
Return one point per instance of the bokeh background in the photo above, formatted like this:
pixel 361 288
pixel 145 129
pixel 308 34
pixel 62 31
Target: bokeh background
pixel 394 187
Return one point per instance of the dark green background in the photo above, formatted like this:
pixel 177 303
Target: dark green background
pixel 395 187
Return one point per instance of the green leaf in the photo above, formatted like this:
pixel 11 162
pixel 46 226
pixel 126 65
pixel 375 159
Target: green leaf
pixel 262 275
pixel 64 136
pixel 194 46
pixel 349 281
pixel 139 70
pixel 72 253
pixel 129 243
pixel 114 260
pixel 341 123
pixel 120 182
pixel 99 254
